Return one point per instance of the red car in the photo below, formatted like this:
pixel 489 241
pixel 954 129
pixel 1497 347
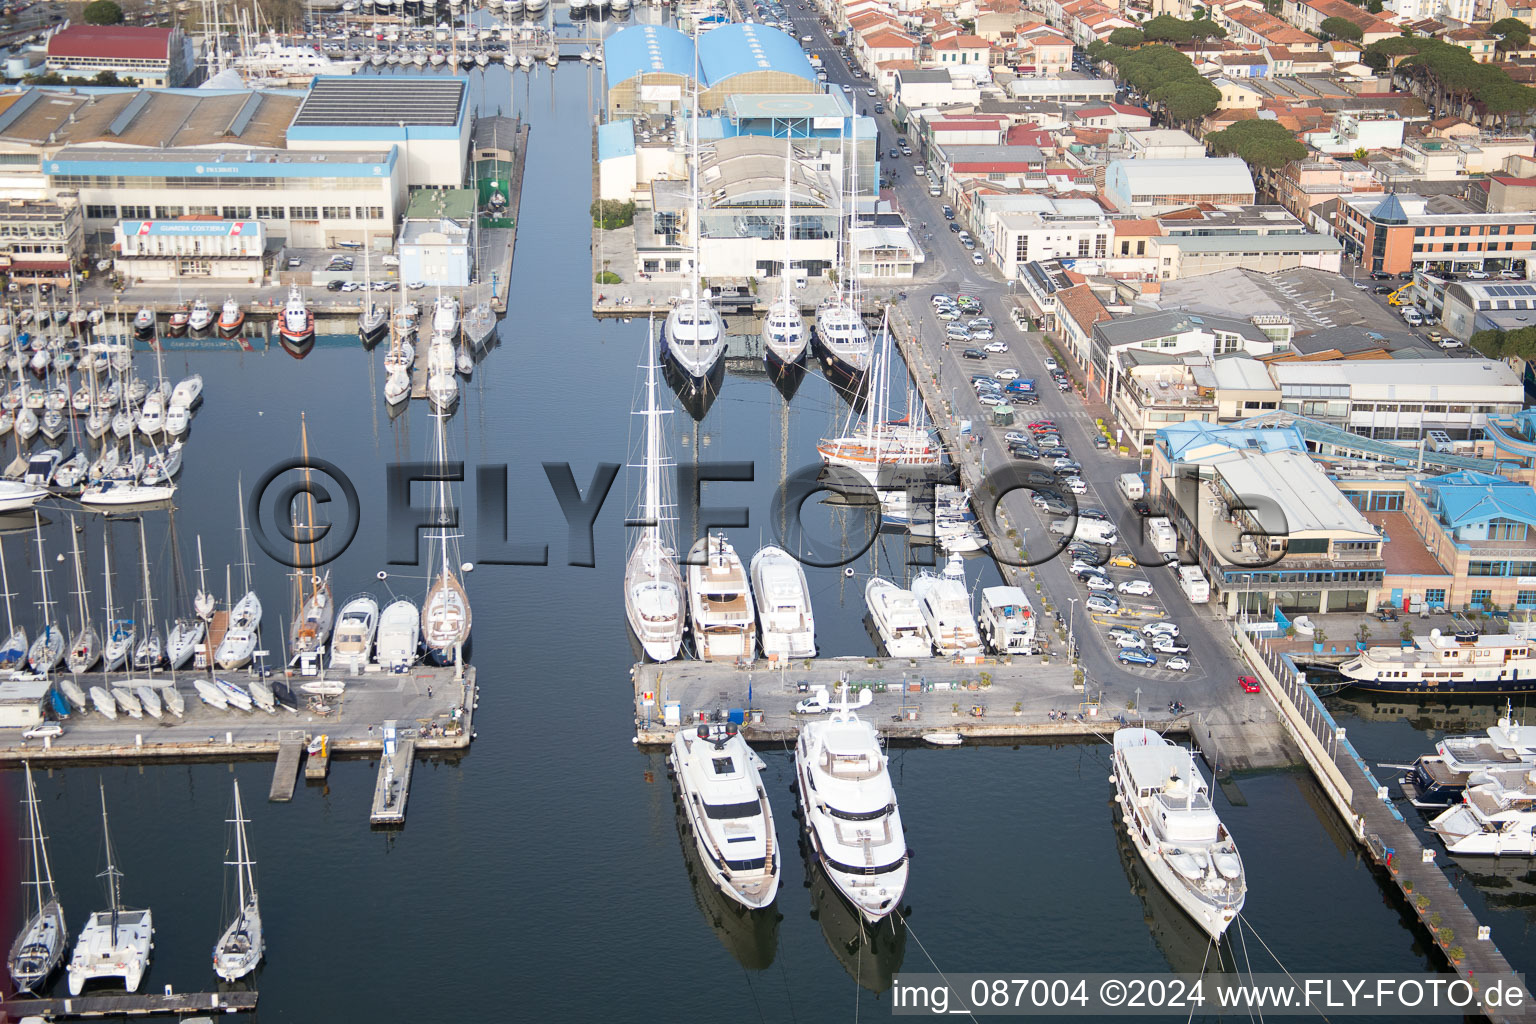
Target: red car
pixel 1248 683
pixel 1042 426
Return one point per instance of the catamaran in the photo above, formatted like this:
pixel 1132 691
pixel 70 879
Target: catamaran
pixel 116 942
pixel 240 948
pixel 39 947
pixel 1176 832
pixel 445 615
pixel 723 796
pixel 784 334
pixel 848 809
pixel 653 584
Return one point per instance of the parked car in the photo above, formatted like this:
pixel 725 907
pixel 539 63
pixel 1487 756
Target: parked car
pixel 1123 561
pixel 1085 554
pixel 1050 363
pixel 1051 506
pixel 1170 645
pixel 1102 603
pixel 1160 628
pixel 974 353
pixel 947 313
pixel 1127 643
pixel 1135 588
pixel 43 730
pixel 815 705
pixel 1137 658
pixel 1141 508
pixel 997 347
pixel 1006 374
pixel 1095 582
pixel 1478 275
pixel 1511 275
pixel 953 226
pixel 1042 426
pixel 949 213
pixel 1076 485
pixel 1249 684
pixel 1178 663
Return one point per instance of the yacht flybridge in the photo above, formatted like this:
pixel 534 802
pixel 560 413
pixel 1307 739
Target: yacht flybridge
pixel 897 619
pixel 727 808
pixel 720 601
pixel 848 809
pixel 946 608
pixel 1175 830
pixel 787 625
pixel 653 583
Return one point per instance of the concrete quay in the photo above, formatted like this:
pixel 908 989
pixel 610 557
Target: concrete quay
pixel 430 701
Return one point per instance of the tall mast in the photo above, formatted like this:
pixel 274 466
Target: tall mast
pixel 112 875
pixel 74 540
pixel 42 874
pixel 789 155
pixel 693 175
pixel 42 572
pixel 5 582
pixel 149 601
pixel 106 558
pixel 652 511
pixel 241 860
pixel 245 551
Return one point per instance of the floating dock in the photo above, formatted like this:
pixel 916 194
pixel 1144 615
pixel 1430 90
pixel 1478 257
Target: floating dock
pixel 434 703
pixel 999 698
pixel 285 776
pixel 131 1005
pixel 393 786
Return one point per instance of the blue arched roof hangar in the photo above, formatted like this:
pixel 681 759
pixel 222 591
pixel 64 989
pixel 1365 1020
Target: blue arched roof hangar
pixel 723 53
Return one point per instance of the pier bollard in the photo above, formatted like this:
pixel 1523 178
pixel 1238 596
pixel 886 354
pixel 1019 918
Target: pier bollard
pixel 138 739
pixel 229 738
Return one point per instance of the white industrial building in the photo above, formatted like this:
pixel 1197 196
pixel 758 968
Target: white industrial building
pixel 164 250
pixel 1401 399
pixel 425 118
pixel 1150 187
pixel 22 702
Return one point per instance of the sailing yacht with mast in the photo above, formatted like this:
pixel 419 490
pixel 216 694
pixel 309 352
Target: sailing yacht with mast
pixel 13 654
pixel 240 948
pixel 445 615
pixel 846 348
pixel 883 452
pixel 373 320
pixel 653 584
pixel 85 649
pixel 848 809
pixel 240 638
pixel 148 651
pixel 784 334
pixel 116 942
pixel 48 649
pixel 121 633
pixel 693 335
pixel 39 948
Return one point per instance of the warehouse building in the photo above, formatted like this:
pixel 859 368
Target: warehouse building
pixel 425 117
pixel 651 68
pixel 1150 187
pixel 160 57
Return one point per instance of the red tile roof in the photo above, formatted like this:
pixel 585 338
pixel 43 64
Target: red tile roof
pixel 1135 227
pixel 1504 179
pixel 962 43
pixel 123 42
pixel 1082 306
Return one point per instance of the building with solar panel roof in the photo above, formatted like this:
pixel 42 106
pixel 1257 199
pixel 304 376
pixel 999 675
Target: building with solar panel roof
pixel 424 118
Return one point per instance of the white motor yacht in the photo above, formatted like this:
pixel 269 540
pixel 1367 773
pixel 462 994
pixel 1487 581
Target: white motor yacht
pixel 727 808
pixel 846 347
pixel 720 602
pixel 1007 620
pixel 786 624
pixel 898 620
pixel 398 640
pixel 848 809
pixel 1496 818
pixel 352 641
pixel 946 608
pixel 1176 832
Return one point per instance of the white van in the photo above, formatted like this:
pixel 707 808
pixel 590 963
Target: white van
pixel 1094 531
pixel 1131 486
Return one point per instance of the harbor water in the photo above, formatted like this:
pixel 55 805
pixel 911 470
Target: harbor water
pixel 541 876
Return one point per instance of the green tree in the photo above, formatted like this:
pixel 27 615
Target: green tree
pixel 1341 28
pixel 1392 51
pixel 1125 37
pixel 1187 101
pixel 1166 29
pixel 1515 33
pixel 610 213
pixel 103 12
pixel 1262 144
pixel 1375 6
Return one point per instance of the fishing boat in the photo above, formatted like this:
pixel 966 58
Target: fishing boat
pixel 297 323
pixel 116 942
pixel 786 625
pixel 399 636
pixel 898 620
pixel 723 796
pixel 946 608
pixel 240 948
pixel 445 614
pixel 200 318
pixel 1175 829
pixel 479 323
pixel 784 334
pixel 231 319
pixel 1440 665
pixel 39 947
pixel 653 584
pixel 720 602
pixel 352 644
pixel 848 809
